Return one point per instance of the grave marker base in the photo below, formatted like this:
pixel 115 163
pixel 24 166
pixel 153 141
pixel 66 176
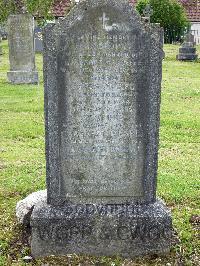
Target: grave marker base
pixel 187 57
pixel 126 229
pixel 23 77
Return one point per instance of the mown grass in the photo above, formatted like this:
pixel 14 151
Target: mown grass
pixel 22 163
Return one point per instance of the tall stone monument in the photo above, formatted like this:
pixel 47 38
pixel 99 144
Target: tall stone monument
pixel 21 49
pixel 102 71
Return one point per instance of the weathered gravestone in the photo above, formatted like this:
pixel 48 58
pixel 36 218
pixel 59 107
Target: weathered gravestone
pixel 187 52
pixel 38 40
pixel 102 70
pixel 21 49
pixel 147 12
pixel 3 31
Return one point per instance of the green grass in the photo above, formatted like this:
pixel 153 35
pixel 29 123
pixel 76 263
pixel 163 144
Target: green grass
pixel 22 163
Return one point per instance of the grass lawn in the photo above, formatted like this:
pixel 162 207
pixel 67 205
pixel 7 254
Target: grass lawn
pixel 22 162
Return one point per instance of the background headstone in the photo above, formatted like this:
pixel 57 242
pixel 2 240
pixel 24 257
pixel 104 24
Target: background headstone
pixel 3 31
pixel 21 49
pixel 102 70
pixel 187 52
pixel 147 12
pixel 38 40
pixel 190 38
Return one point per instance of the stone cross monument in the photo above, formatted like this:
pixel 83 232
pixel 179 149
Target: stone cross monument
pixel 102 71
pixel 147 12
pixel 21 49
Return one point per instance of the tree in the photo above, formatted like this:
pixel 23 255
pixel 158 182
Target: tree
pixel 41 9
pixel 171 16
pixel 6 7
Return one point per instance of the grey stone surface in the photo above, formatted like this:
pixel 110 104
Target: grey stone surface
pixel 189 38
pixel 102 96
pixel 102 73
pixel 22 77
pixel 38 40
pixel 3 31
pixel 147 13
pixel 25 207
pixel 187 57
pixel 21 49
pixel 188 45
pixel 187 50
pixel 112 229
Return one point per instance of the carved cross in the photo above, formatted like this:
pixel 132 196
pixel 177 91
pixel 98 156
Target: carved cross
pixel 148 11
pixel 104 19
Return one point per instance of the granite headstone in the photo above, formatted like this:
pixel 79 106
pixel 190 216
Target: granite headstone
pixel 102 72
pixel 38 40
pixel 3 31
pixel 187 52
pixel 190 38
pixel 147 13
pixel 21 49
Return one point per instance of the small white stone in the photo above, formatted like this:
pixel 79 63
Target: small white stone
pixel 27 259
pixel 25 207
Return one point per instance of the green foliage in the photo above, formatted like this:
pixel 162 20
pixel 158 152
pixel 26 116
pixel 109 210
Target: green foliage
pixel 6 7
pixel 141 6
pixel 171 16
pixel 41 9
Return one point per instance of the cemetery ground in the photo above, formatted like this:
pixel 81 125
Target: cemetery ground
pixel 22 163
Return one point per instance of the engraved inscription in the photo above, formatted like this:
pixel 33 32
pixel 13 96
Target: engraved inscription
pixel 21 53
pixel 133 230
pixel 100 151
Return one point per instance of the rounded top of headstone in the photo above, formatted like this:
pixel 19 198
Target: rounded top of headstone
pixel 122 7
pixel 20 16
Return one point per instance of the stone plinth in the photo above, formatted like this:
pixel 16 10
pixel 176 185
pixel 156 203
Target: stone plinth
pixel 126 230
pixel 21 50
pixel 23 77
pixel 187 52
